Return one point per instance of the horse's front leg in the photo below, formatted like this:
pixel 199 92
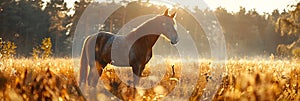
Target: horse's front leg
pixel 95 72
pixel 137 71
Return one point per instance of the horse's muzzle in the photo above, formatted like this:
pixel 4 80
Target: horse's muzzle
pixel 173 42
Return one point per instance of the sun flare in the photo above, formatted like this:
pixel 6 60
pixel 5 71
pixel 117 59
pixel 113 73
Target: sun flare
pixel 168 5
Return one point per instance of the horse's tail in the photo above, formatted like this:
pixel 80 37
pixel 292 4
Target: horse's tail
pixel 84 62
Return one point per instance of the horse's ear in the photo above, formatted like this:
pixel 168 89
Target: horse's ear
pixel 173 15
pixel 166 12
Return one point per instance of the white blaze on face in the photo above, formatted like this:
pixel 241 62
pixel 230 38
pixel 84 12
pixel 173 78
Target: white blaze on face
pixel 175 25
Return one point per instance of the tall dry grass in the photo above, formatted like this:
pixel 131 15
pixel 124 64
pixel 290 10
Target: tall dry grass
pixel 55 79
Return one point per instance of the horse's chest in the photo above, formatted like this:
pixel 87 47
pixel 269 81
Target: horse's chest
pixel 148 56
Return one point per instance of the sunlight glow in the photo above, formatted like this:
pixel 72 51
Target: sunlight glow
pixel 170 6
pixel 260 6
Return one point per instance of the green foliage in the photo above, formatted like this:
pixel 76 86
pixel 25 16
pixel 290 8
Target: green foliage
pixel 7 49
pixel 36 52
pixel 296 52
pixel 46 47
pixel 43 51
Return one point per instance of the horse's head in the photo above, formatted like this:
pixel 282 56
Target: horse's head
pixel 167 26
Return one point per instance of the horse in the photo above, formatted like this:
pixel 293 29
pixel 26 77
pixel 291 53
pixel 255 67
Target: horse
pixel 133 49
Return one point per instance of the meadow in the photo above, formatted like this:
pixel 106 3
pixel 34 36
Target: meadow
pixel 55 79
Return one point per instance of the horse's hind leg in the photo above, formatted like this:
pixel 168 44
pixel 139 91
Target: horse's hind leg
pixel 83 69
pixel 137 73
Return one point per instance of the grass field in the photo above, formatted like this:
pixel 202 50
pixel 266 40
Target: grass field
pixel 55 79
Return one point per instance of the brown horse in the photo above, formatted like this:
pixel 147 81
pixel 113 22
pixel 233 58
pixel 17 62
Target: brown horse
pixel 133 49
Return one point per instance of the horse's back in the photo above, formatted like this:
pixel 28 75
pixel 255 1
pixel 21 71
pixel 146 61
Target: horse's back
pixel 104 39
pixel 112 48
pixel 103 47
pixel 105 34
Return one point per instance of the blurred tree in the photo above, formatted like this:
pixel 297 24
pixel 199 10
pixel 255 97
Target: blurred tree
pixel 79 7
pixel 246 32
pixel 46 47
pixel 288 24
pixel 60 26
pixel 7 49
pixel 270 37
pixel 18 24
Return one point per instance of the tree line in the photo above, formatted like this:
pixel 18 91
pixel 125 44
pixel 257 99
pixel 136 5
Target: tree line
pixel 247 33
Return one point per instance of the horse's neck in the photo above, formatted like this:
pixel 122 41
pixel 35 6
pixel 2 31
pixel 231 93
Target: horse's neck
pixel 145 39
pixel 149 40
pixel 144 32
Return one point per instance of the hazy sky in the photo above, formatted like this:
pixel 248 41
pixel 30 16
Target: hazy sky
pixel 231 5
pixel 260 5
